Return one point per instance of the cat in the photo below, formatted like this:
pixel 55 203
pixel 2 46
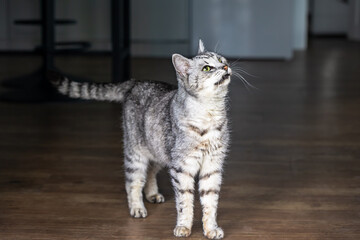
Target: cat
pixel 184 128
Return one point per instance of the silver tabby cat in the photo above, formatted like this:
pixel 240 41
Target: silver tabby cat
pixel 183 128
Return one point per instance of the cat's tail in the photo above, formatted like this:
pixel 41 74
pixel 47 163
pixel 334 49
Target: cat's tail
pixel 114 92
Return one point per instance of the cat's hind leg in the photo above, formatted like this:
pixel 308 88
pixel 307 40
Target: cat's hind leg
pixel 151 188
pixel 135 176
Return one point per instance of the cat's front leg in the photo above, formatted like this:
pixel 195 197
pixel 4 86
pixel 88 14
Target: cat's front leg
pixel 182 178
pixel 209 189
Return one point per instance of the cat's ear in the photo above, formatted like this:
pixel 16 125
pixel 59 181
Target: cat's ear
pixel 181 64
pixel 201 47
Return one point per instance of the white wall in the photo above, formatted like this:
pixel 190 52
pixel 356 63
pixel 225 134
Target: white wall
pixel 247 28
pixel 329 17
pixel 159 27
pixel 300 24
pixel 92 16
pixel 93 22
pixel 243 28
pixel 3 22
pixel 354 23
pixel 17 37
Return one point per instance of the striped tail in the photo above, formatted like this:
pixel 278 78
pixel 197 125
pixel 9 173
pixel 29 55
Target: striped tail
pixel 113 92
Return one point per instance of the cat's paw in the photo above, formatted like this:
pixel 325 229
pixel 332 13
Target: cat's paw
pixel 216 233
pixel 181 231
pixel 156 198
pixel 138 212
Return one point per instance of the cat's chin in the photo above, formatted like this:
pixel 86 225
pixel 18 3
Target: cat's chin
pixel 223 81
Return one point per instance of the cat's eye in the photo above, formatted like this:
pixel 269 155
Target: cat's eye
pixel 220 60
pixel 206 68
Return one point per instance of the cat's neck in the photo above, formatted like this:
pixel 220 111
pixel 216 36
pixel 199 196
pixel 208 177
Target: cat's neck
pixel 201 106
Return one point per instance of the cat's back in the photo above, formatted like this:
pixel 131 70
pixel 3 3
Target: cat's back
pixel 146 91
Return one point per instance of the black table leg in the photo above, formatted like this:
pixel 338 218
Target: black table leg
pixel 120 37
pixel 35 87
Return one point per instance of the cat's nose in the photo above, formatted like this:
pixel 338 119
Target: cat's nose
pixel 225 67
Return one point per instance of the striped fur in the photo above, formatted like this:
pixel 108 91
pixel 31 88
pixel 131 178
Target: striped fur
pixel 91 91
pixel 184 129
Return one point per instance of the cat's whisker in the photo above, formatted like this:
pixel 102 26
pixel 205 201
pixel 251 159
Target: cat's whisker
pixel 238 68
pixel 234 62
pixel 245 86
pixel 245 82
pixel 216 46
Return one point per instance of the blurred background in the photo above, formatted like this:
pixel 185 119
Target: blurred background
pixel 247 29
pixel 243 29
pixel 293 171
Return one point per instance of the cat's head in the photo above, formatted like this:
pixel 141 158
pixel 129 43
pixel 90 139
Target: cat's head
pixel 206 74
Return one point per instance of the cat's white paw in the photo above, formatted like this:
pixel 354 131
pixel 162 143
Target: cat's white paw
pixel 156 198
pixel 216 233
pixel 138 212
pixel 181 231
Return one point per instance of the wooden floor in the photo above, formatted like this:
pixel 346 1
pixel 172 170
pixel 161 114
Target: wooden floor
pixel 293 171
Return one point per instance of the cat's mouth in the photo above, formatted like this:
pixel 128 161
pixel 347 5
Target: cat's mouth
pixel 223 79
